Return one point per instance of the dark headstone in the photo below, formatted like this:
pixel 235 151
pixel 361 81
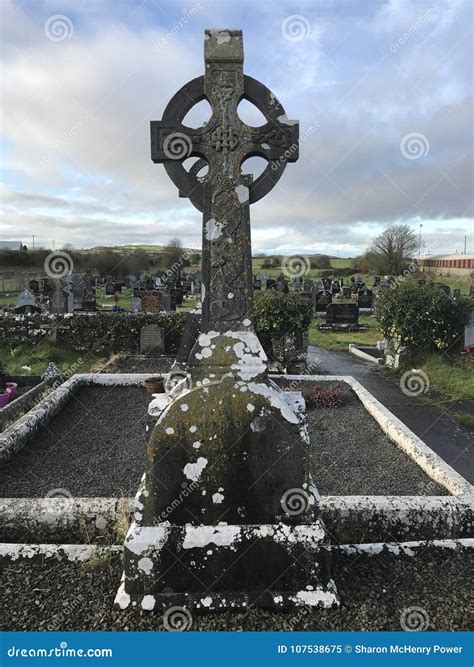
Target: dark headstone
pixel 322 301
pixel 34 287
pixel 110 288
pixel 342 313
pixel 365 298
pixel 89 302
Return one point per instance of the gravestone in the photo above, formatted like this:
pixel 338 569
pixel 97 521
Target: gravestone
pixel 365 298
pixel 298 286
pixel 77 288
pixel 110 287
pixel 220 434
pixel 445 288
pixel 152 340
pixel 469 332
pixel 456 294
pixel 34 287
pixel 168 302
pixel 27 303
pixel 322 301
pixel 151 302
pixel 58 301
pixel 342 314
pixel 346 292
pixel 88 300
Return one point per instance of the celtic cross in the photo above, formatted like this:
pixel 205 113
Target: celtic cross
pixel 224 194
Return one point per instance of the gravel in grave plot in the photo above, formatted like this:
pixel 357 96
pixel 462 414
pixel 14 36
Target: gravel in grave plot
pixel 352 456
pixel 95 446
pixel 376 592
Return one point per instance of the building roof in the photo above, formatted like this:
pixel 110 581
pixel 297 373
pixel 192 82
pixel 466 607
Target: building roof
pixel 458 256
pixel 11 245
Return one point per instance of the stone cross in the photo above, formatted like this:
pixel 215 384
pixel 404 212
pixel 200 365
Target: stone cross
pixel 225 194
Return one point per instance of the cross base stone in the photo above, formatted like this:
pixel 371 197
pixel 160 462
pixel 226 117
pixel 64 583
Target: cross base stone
pixel 226 567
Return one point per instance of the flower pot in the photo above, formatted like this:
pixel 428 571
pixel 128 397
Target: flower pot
pixel 154 385
pixel 8 395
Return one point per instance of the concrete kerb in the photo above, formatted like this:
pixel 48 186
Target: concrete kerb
pixel 358 352
pixel 24 428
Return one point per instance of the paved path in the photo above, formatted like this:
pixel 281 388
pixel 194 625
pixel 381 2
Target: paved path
pixel 433 424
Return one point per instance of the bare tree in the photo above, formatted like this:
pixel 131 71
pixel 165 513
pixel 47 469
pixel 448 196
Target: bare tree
pixel 176 257
pixel 395 245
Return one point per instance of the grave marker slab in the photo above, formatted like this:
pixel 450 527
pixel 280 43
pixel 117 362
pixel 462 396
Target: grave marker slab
pixel 152 340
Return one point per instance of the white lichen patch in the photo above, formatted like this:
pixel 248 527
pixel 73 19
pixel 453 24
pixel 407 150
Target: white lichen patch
pixel 148 602
pixel 250 407
pixel 284 119
pixel 184 407
pixel 246 322
pixel 213 229
pixel 196 444
pixel 193 471
pixel 217 498
pixel 193 429
pixel 169 430
pixel 201 536
pixel 314 598
pixel 145 564
pixel 242 192
pixel 207 601
pixel 230 295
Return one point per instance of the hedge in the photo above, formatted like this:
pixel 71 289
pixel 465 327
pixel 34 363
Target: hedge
pixel 95 332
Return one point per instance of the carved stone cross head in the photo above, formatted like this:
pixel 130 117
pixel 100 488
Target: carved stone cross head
pixel 224 194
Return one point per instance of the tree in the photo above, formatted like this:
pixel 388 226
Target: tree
pixel 320 262
pixel 393 246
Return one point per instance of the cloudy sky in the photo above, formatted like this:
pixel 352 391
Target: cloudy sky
pixel 382 90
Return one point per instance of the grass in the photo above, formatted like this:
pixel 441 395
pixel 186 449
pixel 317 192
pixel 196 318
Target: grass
pixel 339 340
pixel 9 298
pixel 466 420
pixel 37 357
pixel 453 376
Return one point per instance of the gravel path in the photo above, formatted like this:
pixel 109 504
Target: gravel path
pixel 95 446
pixel 374 591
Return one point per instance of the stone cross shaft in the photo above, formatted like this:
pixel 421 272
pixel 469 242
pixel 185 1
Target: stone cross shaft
pixel 224 194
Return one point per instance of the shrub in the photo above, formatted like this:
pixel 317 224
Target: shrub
pixel 277 315
pixel 322 397
pixel 420 316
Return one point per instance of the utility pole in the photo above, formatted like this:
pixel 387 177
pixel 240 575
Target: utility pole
pixel 33 241
pixel 465 244
pixel 419 241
